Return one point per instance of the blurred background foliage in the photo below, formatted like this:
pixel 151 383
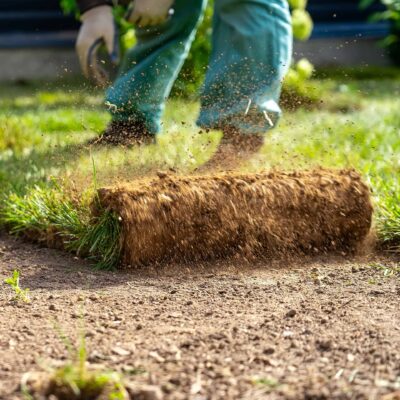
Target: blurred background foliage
pixel 391 14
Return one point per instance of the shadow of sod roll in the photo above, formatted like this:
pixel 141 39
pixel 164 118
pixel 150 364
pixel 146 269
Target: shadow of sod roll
pixel 172 218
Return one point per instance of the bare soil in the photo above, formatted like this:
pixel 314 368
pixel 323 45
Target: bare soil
pixel 326 328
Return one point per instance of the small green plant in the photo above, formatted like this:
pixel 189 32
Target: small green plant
pixel 268 383
pixel 82 382
pixel 19 293
pixel 392 14
pixel 297 88
pixel 387 270
pixel 75 380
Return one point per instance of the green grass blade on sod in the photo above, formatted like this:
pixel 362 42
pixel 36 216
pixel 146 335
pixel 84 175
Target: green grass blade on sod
pixel 388 215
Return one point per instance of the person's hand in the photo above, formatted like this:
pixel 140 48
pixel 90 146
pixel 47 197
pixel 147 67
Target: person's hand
pixel 145 13
pixel 98 27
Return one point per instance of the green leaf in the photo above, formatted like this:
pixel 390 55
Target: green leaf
pixel 365 4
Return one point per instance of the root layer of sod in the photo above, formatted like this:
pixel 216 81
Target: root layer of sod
pixel 266 215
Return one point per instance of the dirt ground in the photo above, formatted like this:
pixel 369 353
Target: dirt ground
pixel 325 328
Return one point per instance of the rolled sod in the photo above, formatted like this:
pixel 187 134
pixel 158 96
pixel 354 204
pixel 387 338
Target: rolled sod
pixel 268 215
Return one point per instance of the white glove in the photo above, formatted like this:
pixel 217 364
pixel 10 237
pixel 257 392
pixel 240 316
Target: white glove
pixel 149 12
pixel 98 27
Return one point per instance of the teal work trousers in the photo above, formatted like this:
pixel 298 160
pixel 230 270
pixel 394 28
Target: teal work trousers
pixel 251 53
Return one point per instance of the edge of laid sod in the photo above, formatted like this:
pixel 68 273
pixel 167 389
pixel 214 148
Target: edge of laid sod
pixel 50 216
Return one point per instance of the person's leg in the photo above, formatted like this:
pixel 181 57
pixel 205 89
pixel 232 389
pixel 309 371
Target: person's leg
pixel 149 69
pixel 252 47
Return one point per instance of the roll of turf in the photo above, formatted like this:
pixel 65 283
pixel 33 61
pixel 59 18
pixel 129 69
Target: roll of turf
pixel 189 218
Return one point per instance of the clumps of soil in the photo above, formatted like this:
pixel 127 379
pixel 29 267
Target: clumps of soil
pixel 191 218
pixel 233 149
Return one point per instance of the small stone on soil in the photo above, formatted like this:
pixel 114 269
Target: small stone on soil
pixel 119 351
pixel 290 314
pixel 269 350
pixel 324 345
pixel 144 392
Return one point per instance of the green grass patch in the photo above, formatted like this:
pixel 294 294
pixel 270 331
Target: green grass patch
pixel 49 216
pixel 388 214
pixel 45 215
pixel 102 241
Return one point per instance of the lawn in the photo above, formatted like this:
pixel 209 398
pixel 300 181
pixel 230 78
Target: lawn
pixel 48 175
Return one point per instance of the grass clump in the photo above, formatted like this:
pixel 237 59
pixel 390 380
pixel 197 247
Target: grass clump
pixel 75 380
pixel 45 215
pixel 388 216
pixel 19 293
pixel 49 216
pixel 101 240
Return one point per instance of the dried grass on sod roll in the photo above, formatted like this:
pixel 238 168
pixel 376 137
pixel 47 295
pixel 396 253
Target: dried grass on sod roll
pixel 189 218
